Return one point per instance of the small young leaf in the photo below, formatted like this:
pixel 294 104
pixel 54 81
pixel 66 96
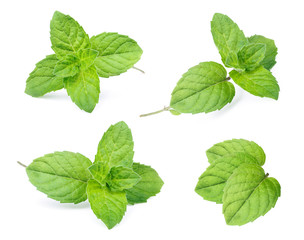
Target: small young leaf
pixel 67 36
pixel 227 36
pixel 99 172
pixel 202 89
pixel 259 82
pixel 148 186
pixel 42 80
pixel 251 55
pixel 212 182
pixel 174 112
pixel 67 67
pixel 249 194
pixel 122 178
pixel 62 176
pixel 116 146
pixel 87 57
pixel 233 146
pixel 108 206
pixel 117 53
pixel 83 88
pixel 271 50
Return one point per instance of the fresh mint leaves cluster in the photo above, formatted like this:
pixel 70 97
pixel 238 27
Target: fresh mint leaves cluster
pixel 79 61
pixel 111 183
pixel 206 87
pixel 236 179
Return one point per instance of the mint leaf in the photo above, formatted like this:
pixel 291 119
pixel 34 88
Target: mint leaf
pixel 116 146
pixel 227 36
pixel 148 186
pixel 251 55
pixel 61 176
pixel 122 178
pixel 67 36
pixel 117 53
pixel 108 206
pixel 259 82
pixel 271 50
pixel 83 88
pixel 204 88
pixel 42 80
pixel 249 194
pixel 87 57
pixel 100 172
pixel 233 146
pixel 67 67
pixel 212 182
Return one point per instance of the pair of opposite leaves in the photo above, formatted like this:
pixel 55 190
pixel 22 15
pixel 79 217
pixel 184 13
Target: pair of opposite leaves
pixel 236 179
pixel 110 183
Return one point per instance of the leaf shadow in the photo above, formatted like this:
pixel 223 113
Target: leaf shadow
pixel 55 204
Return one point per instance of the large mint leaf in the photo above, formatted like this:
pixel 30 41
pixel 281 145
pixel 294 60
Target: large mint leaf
pixel 259 82
pixel 122 178
pixel 116 146
pixel 228 38
pixel 233 146
pixel 212 182
pixel 67 36
pixel 62 176
pixel 108 206
pixel 83 88
pixel 251 55
pixel 249 194
pixel 67 67
pixel 271 50
pixel 148 186
pixel 42 80
pixel 203 88
pixel 117 53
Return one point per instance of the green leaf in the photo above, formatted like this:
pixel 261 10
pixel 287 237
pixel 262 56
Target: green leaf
pixel 100 172
pixel 87 57
pixel 122 178
pixel 271 50
pixel 42 80
pixel 67 67
pixel 203 88
pixel 67 36
pixel 233 146
pixel 249 194
pixel 259 82
pixel 251 55
pixel 83 88
pixel 117 53
pixel 149 185
pixel 174 112
pixel 212 182
pixel 108 206
pixel 62 176
pixel 227 36
pixel 116 146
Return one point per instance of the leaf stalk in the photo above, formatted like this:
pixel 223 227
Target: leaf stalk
pixel 156 112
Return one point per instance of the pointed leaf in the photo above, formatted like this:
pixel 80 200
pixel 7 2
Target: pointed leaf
pixel 67 67
pixel 87 57
pixel 100 172
pixel 251 55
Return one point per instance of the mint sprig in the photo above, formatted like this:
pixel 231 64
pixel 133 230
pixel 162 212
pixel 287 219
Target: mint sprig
pixel 236 179
pixel 112 182
pixel 206 86
pixel 79 61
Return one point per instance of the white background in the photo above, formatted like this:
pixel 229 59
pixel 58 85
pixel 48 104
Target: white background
pixel 174 35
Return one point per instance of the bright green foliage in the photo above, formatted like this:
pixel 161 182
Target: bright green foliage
pixel 212 182
pixel 122 178
pixel 227 36
pixel 251 55
pixel 259 82
pixel 271 50
pixel 174 112
pixel 42 80
pixel 148 186
pixel 117 53
pixel 229 147
pixel 116 146
pixel 110 183
pixel 249 194
pixel 236 179
pixel 77 62
pixel 202 89
pixel 108 206
pixel 61 176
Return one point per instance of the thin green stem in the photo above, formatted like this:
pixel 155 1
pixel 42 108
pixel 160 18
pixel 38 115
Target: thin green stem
pixel 138 69
pixel 23 165
pixel 156 112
